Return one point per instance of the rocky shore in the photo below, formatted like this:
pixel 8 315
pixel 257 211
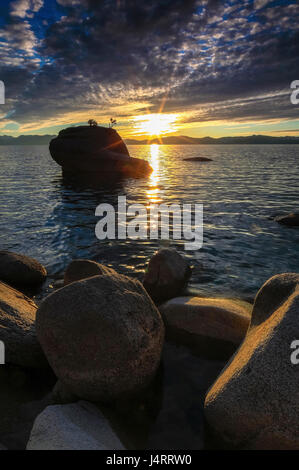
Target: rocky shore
pixel 108 362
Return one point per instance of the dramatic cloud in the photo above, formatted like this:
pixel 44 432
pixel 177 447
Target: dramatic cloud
pixel 211 60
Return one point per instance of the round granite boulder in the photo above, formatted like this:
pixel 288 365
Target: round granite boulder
pixel 83 268
pixel 19 269
pixel 103 336
pixel 167 274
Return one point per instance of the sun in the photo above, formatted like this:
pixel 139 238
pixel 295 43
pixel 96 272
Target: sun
pixel 155 124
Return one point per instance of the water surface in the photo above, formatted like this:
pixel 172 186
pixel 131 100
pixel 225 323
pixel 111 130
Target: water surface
pixel 53 219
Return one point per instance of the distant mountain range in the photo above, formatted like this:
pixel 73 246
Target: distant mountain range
pixel 185 140
pixel 169 140
pixel 26 139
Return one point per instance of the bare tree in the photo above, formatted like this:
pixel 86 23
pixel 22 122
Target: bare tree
pixel 112 122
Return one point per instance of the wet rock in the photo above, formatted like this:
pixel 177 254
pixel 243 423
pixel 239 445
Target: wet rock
pixel 254 402
pixel 167 274
pixel 17 329
pixel 94 150
pixel 77 426
pixel 83 268
pixel 102 336
pixel 291 220
pixel 210 326
pixel 19 269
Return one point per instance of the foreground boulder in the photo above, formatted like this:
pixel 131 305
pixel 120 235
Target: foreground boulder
pixel 213 326
pixel 83 268
pixel 20 269
pixel 17 329
pixel 103 336
pixel 77 426
pixel 95 150
pixel 254 402
pixel 291 220
pixel 167 274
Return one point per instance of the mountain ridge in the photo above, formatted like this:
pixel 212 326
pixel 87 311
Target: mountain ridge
pixel 168 140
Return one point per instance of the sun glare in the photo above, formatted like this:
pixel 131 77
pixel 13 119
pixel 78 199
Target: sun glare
pixel 155 124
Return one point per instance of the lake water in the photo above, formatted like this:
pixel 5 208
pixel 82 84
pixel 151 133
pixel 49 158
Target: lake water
pixel 53 220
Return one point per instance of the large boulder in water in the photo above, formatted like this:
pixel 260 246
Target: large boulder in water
pixel 95 150
pixel 103 336
pixel 254 402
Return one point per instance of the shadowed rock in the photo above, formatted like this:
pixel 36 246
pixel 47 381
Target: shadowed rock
pixel 254 402
pixel 83 268
pixel 210 326
pixel 95 150
pixel 291 220
pixel 17 329
pixel 103 336
pixel 167 274
pixel 19 269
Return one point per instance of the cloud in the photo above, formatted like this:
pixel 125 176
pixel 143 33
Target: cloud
pixel 214 59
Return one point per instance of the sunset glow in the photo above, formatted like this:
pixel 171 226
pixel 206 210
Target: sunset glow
pixel 155 124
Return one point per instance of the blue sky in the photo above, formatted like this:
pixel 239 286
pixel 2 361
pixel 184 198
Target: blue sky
pixel 218 67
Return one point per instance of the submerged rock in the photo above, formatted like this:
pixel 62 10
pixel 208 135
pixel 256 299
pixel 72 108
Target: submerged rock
pixel 77 426
pixel 167 274
pixel 292 219
pixel 17 329
pixel 198 159
pixel 254 402
pixel 19 269
pixel 83 268
pixel 95 150
pixel 212 326
pixel 103 336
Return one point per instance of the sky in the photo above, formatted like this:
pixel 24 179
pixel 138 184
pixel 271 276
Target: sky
pixel 206 67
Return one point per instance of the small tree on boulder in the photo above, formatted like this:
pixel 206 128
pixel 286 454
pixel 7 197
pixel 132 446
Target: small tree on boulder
pixel 112 122
pixel 92 123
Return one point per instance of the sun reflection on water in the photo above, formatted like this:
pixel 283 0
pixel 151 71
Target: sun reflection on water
pixel 153 192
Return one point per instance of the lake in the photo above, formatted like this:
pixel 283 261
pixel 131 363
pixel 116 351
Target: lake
pixel 53 219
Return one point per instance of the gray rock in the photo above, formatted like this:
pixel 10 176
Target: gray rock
pixel 103 336
pixel 254 402
pixel 17 329
pixel 77 426
pixel 214 326
pixel 291 220
pixel 19 269
pixel 167 274
pixel 83 268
